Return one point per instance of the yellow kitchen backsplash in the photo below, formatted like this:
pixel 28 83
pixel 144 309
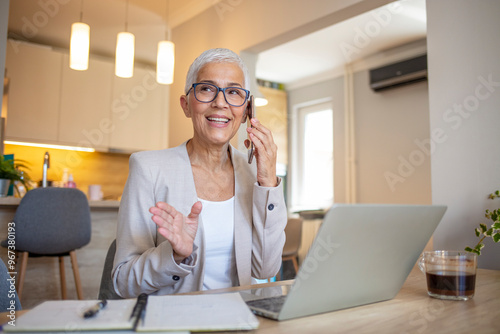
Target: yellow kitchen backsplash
pixel 110 170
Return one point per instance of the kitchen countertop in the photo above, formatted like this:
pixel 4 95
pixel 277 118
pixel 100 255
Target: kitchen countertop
pixel 13 202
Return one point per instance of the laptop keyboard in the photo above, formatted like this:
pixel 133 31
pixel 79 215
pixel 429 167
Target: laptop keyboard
pixel 273 304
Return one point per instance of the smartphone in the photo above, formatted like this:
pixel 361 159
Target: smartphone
pixel 250 115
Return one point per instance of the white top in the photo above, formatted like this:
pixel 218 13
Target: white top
pixel 220 262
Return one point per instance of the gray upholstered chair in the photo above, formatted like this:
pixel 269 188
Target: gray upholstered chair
pixel 106 290
pixel 7 291
pixel 293 232
pixel 52 222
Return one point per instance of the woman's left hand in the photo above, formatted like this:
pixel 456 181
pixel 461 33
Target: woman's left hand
pixel 265 153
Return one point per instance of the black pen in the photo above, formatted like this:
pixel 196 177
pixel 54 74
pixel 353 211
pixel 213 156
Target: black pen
pixel 95 309
pixel 139 309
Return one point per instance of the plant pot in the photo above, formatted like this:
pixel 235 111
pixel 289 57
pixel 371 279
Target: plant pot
pixel 4 187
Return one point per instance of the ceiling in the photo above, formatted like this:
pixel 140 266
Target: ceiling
pixel 321 52
pixel 147 19
pixel 326 51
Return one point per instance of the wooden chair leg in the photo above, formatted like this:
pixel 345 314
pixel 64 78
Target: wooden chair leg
pixel 280 272
pixel 76 274
pixel 295 264
pixel 16 257
pixel 21 273
pixel 62 275
pixel 294 261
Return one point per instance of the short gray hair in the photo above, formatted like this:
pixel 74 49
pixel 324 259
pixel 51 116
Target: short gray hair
pixel 218 55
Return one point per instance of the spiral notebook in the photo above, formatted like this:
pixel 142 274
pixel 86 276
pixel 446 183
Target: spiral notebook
pixel 210 312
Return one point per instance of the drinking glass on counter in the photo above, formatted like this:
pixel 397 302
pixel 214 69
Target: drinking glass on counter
pixel 95 192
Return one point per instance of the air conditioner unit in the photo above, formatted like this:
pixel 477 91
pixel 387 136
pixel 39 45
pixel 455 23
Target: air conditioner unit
pixel 400 73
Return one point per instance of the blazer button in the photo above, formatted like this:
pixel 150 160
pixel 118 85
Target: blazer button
pixel 270 207
pixel 176 278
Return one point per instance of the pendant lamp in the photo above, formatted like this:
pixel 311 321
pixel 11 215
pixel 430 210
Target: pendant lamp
pixel 165 57
pixel 125 48
pixel 79 44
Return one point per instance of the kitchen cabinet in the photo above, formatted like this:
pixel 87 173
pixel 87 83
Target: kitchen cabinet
pixel 85 99
pixel 34 74
pixel 274 116
pixel 138 112
pixel 53 104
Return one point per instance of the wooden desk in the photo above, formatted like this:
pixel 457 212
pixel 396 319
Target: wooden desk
pixel 411 311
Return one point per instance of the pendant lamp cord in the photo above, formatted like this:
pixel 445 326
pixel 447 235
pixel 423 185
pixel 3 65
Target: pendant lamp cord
pixel 126 17
pixel 167 30
pixel 81 11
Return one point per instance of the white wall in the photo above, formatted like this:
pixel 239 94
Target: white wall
pixel 252 26
pixel 463 50
pixel 390 166
pixel 387 126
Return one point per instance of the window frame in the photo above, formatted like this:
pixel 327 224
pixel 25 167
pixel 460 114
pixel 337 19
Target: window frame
pixel 297 149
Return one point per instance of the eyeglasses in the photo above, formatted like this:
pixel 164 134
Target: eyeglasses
pixel 205 93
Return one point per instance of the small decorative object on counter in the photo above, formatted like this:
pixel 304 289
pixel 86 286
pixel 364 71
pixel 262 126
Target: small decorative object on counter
pixel 20 189
pixel 95 192
pixel 65 177
pixel 70 183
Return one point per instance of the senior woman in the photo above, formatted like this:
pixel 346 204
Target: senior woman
pixel 199 216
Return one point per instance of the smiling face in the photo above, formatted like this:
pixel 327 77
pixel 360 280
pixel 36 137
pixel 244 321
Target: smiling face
pixel 216 122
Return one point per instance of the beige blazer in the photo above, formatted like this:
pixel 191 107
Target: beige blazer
pixel 144 258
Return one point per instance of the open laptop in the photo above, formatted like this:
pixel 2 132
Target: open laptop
pixel 362 254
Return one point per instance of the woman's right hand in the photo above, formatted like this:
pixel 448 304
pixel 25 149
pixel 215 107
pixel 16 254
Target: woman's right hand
pixel 178 229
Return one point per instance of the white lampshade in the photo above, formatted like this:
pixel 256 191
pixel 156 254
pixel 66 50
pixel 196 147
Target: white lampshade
pixel 79 46
pixel 165 60
pixel 124 62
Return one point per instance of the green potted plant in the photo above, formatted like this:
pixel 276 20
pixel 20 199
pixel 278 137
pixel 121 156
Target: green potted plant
pixel 484 232
pixel 10 172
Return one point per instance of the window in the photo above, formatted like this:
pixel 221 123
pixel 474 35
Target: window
pixel 313 158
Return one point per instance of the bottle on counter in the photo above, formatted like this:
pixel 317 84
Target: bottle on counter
pixel 65 177
pixel 70 183
pixel 20 189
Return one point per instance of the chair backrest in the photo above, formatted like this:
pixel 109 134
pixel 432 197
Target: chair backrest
pixel 52 221
pixel 7 291
pixel 293 232
pixel 106 290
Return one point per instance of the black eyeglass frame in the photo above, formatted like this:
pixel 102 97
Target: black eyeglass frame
pixel 223 90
